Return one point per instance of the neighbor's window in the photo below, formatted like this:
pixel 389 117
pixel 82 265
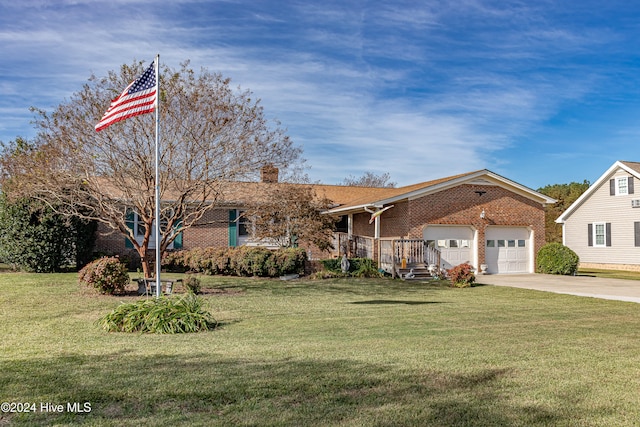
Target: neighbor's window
pixel 599 234
pixel 622 185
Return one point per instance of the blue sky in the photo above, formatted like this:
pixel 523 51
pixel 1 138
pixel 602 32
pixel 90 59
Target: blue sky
pixel 542 92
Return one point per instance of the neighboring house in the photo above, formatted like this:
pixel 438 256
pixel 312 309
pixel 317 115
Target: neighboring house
pixel 603 225
pixel 478 217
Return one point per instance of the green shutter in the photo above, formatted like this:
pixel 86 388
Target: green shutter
pixel 129 220
pixel 177 242
pixel 233 228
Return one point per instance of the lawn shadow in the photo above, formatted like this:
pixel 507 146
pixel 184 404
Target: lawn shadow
pixel 203 389
pixel 386 301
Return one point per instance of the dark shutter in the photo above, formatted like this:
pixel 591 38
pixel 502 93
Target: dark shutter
pixel 129 220
pixel 177 242
pixel 608 233
pixel 636 232
pixel 612 187
pixel 590 234
pixel 630 184
pixel 233 227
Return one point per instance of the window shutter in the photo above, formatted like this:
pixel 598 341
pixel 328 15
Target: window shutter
pixel 630 184
pixel 608 233
pixel 177 242
pixel 129 221
pixel 590 234
pixel 233 228
pixel 636 232
pixel 612 187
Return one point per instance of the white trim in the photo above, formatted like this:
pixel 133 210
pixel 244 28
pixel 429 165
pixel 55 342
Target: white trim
pixel 604 235
pixel 600 181
pixel 618 181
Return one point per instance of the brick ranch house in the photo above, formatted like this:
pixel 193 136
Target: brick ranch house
pixel 479 217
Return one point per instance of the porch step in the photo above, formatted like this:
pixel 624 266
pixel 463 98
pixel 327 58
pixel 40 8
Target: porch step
pixel 414 272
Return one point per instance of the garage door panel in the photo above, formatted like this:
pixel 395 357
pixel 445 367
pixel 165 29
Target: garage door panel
pixel 506 250
pixel 455 243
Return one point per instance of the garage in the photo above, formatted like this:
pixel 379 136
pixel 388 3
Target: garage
pixel 455 243
pixel 507 250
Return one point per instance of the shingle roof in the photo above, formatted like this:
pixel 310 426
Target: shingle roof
pixel 344 198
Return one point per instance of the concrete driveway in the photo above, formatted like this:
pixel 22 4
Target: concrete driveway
pixel 584 286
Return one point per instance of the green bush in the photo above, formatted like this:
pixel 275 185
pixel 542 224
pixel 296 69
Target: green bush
pixel 108 275
pixel 239 261
pixel 462 275
pixel 160 316
pixel 555 258
pixel 35 238
pixel 358 267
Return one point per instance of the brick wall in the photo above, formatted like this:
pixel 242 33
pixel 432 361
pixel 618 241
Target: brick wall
pixel 211 230
pixel 462 206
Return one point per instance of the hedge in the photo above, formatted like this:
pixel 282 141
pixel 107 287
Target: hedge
pixel 239 261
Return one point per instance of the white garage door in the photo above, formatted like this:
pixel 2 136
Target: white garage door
pixel 507 250
pixel 456 243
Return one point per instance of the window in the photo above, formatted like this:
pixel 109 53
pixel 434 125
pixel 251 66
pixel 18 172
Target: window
pixel 521 243
pixel 599 234
pixel 621 186
pixel 135 223
pixel 244 225
pixel 491 243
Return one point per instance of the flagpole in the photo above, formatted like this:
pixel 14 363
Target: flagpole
pixel 157 180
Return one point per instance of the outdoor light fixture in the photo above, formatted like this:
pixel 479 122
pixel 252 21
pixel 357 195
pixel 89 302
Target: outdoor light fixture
pixel 482 214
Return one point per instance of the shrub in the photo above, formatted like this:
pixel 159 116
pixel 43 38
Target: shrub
pixel 555 258
pixel 35 238
pixel 108 275
pixel 192 284
pixel 462 275
pixel 358 267
pixel 160 316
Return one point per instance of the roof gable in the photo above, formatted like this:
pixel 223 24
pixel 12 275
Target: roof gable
pixel 482 177
pixel 632 168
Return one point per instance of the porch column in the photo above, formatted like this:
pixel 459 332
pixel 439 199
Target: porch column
pixel 350 225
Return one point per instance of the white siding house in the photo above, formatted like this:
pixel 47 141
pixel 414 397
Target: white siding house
pixel 603 225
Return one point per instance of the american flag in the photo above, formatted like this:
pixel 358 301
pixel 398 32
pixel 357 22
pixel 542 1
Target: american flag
pixel 138 98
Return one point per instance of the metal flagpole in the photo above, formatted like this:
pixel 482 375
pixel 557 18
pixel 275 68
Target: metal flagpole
pixel 157 197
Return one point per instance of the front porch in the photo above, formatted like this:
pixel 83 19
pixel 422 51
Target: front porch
pixel 404 258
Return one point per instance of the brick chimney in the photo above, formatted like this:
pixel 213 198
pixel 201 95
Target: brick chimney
pixel 269 174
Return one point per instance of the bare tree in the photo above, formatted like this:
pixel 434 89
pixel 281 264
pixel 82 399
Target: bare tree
pixel 289 213
pixel 370 179
pixel 210 133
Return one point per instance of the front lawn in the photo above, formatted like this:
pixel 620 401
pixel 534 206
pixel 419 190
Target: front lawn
pixel 340 352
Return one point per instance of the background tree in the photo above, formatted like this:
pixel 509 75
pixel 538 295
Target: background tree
pixel 565 194
pixel 286 214
pixel 370 179
pixel 209 132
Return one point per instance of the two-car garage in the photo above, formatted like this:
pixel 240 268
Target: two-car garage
pixel 507 249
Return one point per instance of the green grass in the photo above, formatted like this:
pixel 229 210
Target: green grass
pixel 610 274
pixel 341 352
